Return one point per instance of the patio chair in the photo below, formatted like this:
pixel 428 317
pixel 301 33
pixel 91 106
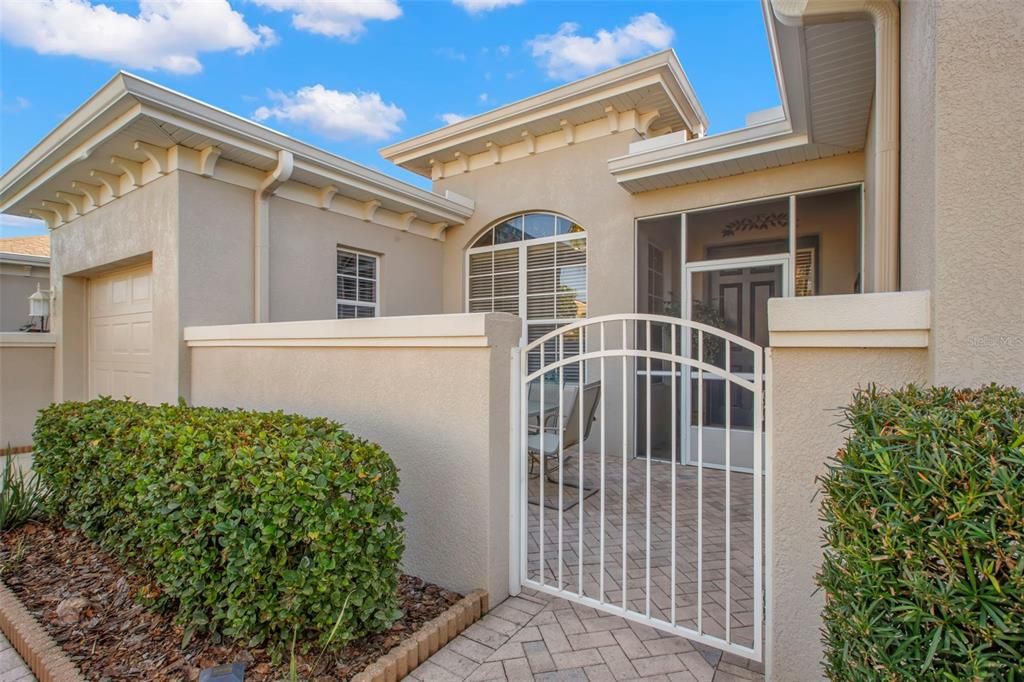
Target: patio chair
pixel 546 443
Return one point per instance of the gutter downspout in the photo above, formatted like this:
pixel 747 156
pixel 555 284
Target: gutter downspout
pixel 261 234
pixel 885 16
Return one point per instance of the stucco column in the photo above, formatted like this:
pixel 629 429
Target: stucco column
pixel 822 349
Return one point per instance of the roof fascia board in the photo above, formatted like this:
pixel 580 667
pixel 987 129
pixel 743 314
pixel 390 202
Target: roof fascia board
pixel 736 142
pixel 550 102
pixel 24 259
pixel 60 157
pixel 215 123
pixel 773 143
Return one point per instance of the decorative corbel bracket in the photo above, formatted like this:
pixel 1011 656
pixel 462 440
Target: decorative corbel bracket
pixel 569 130
pixel 613 118
pixel 327 196
pixel 94 192
pixel 60 208
pixel 208 157
pixel 436 170
pixel 437 231
pixel 132 168
pixel 370 210
pixel 51 218
pixel 76 201
pixel 645 120
pixel 158 155
pixel 495 151
pixel 531 142
pixel 463 162
pixel 407 219
pixel 113 182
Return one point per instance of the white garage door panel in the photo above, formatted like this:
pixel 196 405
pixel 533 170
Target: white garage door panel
pixel 121 334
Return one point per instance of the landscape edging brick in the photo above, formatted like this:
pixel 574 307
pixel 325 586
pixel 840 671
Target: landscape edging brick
pixel 41 653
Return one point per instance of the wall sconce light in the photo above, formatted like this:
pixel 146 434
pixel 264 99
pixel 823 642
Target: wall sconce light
pixel 39 307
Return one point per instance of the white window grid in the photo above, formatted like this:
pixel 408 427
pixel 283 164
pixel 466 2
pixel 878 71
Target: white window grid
pixel 358 305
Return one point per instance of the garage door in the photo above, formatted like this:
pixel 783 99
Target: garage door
pixel 121 334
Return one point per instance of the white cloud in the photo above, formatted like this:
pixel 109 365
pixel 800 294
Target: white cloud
pixel 14 106
pixel 451 119
pixel 345 19
pixel 451 53
pixel 335 114
pixel 483 97
pixel 566 54
pixel 166 34
pixel 504 50
pixel 16 226
pixel 477 6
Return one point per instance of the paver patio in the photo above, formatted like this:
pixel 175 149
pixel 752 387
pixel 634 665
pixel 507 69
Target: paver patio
pixel 539 637
pixel 12 668
pixel 712 527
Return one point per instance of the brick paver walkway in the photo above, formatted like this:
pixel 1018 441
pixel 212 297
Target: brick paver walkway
pixel 12 668
pixel 534 636
pixel 582 569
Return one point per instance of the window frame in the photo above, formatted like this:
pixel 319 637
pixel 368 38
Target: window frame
pixel 522 245
pixel 376 305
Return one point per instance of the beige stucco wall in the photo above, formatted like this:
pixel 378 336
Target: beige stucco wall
pixel 140 226
pixel 438 406
pixel 26 386
pixel 17 283
pixel 808 386
pixel 303 263
pixel 963 183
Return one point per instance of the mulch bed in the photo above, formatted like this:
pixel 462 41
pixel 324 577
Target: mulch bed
pixel 87 601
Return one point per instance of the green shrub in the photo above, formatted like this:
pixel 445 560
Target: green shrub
pixel 21 496
pixel 924 567
pixel 257 526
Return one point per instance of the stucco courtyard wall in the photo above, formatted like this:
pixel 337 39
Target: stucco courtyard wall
pixel 433 391
pixel 823 348
pixel 963 183
pixel 26 384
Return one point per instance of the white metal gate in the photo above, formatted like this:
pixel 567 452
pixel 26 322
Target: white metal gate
pixel 623 524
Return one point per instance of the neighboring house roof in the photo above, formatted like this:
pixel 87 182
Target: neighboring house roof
pixel 130 121
pixel 825 75
pixel 26 246
pixel 654 86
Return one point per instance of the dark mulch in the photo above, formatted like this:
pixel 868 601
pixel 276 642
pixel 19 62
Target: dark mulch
pixel 111 636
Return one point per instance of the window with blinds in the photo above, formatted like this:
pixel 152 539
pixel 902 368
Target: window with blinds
pixel 532 265
pixel 357 280
pixel 804 270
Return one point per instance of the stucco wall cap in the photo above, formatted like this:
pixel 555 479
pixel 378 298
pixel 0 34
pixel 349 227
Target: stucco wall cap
pixel 894 319
pixel 27 340
pixel 457 330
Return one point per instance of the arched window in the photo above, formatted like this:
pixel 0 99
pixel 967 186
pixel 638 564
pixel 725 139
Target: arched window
pixel 533 265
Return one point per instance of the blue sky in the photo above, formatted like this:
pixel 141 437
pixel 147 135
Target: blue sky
pixel 355 75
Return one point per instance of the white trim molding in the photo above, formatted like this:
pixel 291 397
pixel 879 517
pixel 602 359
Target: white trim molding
pixel 470 330
pixel 900 319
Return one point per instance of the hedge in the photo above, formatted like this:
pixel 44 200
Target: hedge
pixel 924 570
pixel 256 526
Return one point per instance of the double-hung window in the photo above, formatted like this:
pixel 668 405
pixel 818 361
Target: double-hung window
pixel 358 284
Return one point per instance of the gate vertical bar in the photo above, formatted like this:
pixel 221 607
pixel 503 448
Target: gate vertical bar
pixel 728 493
pixel 675 482
pixel 541 457
pixel 604 394
pixel 700 484
pixel 647 493
pixel 758 487
pixel 561 459
pixel 625 457
pixel 579 459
